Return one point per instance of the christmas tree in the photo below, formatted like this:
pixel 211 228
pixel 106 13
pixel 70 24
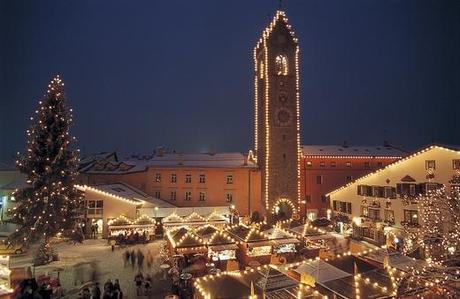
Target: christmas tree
pixel 50 205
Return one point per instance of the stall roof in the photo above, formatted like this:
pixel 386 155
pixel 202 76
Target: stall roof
pixel 206 231
pixel 307 230
pixel 321 271
pixel 395 259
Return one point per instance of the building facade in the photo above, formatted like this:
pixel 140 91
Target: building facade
pixel 383 204
pixel 325 168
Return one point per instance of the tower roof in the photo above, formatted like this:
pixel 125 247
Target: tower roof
pixel 280 16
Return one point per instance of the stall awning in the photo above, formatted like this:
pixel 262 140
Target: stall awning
pixel 223 247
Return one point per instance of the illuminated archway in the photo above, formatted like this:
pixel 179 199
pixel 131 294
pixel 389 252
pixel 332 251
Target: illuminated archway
pixel 284 209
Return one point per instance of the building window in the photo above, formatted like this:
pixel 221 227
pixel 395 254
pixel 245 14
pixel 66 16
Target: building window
pixel 456 164
pixel 333 164
pixel 173 178
pixel 348 164
pixel 334 205
pixel 202 196
pixel 322 164
pixel 319 179
pixel 307 198
pixel 202 179
pixel 229 197
pixel 157 194
pixel 173 195
pixel 430 164
pixel 188 195
pixel 323 198
pixel 367 165
pixel 390 216
pixel 229 179
pixel 411 216
pixel 309 164
pixel 95 207
pixel 188 178
pixel 349 178
pixel 281 65
pixel 158 177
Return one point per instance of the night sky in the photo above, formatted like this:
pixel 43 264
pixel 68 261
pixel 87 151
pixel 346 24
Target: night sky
pixel 140 74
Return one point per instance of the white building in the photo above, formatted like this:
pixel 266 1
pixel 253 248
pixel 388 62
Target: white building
pixel 380 204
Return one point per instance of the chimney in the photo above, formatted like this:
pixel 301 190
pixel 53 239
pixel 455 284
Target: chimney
pixel 160 151
pixel 345 144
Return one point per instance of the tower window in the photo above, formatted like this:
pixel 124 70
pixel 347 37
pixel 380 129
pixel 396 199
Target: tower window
pixel 281 65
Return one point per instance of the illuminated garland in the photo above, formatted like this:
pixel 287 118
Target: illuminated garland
pixel 94 189
pixel 392 165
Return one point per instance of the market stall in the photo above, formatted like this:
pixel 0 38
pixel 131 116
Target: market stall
pixel 185 241
pixel 253 244
pixel 283 245
pixel 123 229
pixel 172 220
pixel 222 251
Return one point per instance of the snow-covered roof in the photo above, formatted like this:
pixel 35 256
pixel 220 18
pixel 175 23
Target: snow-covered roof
pixel 127 192
pixel 321 271
pixel 140 163
pixel 352 151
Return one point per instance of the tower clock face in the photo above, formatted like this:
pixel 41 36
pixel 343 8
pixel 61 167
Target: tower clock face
pixel 283 98
pixel 283 117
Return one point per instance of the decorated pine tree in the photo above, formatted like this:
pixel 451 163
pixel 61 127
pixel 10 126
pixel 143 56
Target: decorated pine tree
pixel 50 204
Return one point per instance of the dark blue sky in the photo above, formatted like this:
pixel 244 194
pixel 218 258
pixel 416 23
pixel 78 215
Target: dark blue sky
pixel 179 73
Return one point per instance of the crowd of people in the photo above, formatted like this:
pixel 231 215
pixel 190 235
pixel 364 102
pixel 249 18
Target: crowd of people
pixel 31 289
pixel 112 290
pixel 131 237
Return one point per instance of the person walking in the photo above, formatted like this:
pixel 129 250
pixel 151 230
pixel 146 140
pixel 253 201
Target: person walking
pixel 126 257
pixel 96 291
pixel 108 286
pixel 133 258
pixel 138 279
pixel 140 260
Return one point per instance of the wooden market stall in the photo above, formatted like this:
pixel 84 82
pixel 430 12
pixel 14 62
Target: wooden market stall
pixel 184 241
pixel 125 227
pixel 283 245
pixel 222 250
pixel 253 245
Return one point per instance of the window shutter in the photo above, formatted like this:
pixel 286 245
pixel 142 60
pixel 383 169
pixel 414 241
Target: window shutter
pixel 334 205
pixel 360 187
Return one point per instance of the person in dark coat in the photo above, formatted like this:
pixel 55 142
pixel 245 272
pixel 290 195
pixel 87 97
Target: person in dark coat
pixel 108 286
pixel 140 259
pixel 132 256
pixel 96 291
pixel 126 257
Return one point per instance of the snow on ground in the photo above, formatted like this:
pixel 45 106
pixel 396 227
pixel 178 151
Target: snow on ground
pixel 109 264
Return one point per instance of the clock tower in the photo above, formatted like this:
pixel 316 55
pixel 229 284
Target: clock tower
pixel 277 132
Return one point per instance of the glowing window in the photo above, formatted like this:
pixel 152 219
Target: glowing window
pixel 281 65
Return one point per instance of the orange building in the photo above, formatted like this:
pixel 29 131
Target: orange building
pixel 326 167
pixel 185 180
